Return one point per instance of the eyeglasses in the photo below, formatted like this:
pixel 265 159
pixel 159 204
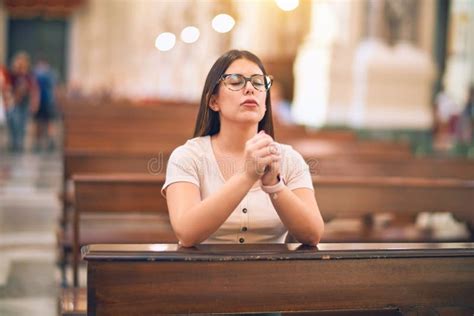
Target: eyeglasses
pixel 236 82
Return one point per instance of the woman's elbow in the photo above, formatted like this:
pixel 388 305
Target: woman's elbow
pixel 186 240
pixel 186 243
pixel 314 237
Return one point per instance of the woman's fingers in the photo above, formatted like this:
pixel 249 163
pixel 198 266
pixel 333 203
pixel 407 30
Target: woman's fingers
pixel 261 153
pixel 262 141
pixel 265 151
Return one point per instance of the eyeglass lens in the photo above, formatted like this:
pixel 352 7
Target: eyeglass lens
pixel 236 82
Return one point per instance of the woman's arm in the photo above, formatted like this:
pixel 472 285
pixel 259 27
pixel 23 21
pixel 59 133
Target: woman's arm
pixel 193 219
pixel 299 212
pixel 298 209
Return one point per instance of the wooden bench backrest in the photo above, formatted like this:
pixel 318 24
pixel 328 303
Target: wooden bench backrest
pixel 394 167
pixel 122 195
pixel 119 193
pixel 340 196
pixel 336 196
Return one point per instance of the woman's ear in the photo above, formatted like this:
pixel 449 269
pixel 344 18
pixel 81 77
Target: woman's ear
pixel 213 104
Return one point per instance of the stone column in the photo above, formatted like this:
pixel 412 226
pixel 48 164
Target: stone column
pixel 323 81
pixel 459 73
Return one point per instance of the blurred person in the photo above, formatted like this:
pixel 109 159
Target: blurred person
pixel 240 185
pixel 464 128
pixel 469 109
pixel 44 117
pixel 281 107
pixel 25 100
pixel 5 98
pixel 446 111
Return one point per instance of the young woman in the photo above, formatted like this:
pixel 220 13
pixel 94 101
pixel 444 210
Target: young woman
pixel 233 183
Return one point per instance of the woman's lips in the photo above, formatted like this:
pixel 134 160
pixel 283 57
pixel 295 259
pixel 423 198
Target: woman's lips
pixel 250 103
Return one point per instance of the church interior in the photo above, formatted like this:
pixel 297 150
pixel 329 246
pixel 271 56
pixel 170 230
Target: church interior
pixel 377 96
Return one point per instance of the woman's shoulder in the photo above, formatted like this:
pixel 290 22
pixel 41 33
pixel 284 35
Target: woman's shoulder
pixel 193 147
pixel 288 151
pixel 292 160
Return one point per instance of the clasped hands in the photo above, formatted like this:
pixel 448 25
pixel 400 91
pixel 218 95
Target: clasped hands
pixel 263 159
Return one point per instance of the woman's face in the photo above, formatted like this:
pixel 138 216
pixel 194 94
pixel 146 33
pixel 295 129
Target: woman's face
pixel 246 105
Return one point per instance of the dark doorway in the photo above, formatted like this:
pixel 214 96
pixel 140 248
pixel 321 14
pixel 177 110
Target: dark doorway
pixel 40 38
pixel 441 39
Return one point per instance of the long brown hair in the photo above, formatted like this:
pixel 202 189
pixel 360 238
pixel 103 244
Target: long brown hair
pixel 208 121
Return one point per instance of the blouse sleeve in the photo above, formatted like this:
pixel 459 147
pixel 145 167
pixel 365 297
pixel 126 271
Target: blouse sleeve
pixel 182 167
pixel 295 170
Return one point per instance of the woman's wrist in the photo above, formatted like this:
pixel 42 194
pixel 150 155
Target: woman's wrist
pixel 249 178
pixel 277 186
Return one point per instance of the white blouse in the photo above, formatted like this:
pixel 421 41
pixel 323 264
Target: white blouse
pixel 254 220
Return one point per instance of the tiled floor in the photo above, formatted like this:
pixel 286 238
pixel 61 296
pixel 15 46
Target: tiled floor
pixel 29 207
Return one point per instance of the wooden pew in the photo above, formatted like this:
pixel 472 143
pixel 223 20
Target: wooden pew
pixel 338 197
pixel 154 162
pixel 161 279
pixel 426 167
pixel 121 131
pixel 116 208
pixel 314 148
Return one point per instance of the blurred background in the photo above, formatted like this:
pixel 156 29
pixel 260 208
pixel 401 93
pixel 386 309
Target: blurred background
pixel 381 82
pixel 364 65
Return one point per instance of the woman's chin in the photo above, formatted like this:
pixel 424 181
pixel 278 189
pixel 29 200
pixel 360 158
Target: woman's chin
pixel 250 117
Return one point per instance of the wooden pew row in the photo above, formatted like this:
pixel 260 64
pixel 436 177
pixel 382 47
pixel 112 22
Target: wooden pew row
pixel 94 116
pixel 158 279
pixel 355 149
pixel 107 163
pixel 116 208
pixel 140 194
pixel 394 167
pixel 340 196
pixel 285 132
pixel 83 161
pixel 123 130
pixel 337 198
pixel 91 151
pixel 85 107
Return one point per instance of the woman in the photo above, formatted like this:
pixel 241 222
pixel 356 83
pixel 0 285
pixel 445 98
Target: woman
pixel 240 186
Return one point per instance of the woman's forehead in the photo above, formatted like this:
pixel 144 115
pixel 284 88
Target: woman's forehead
pixel 244 67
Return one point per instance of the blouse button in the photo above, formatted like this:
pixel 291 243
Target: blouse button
pixel 241 240
pixel 244 229
pixel 244 210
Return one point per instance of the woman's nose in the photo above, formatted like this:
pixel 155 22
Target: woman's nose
pixel 248 88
